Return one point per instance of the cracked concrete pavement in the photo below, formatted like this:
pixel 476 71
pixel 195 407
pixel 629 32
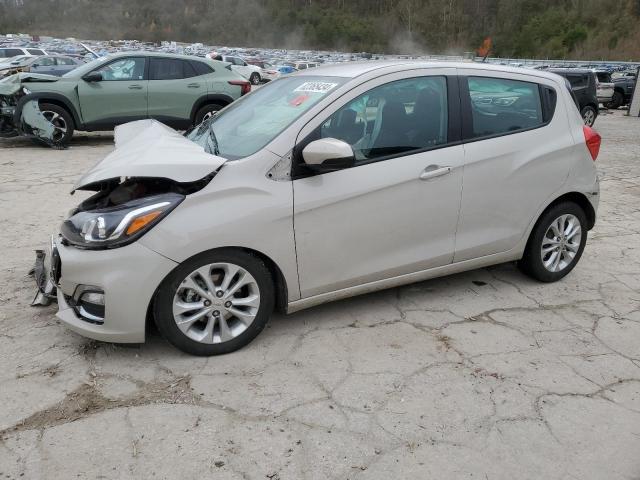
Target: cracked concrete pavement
pixel 486 374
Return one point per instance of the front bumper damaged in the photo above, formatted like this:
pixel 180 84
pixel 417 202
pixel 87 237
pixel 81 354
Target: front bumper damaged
pixel 46 273
pixel 126 279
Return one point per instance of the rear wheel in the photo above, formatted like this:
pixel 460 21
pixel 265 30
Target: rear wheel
pixel 556 243
pixel 616 101
pixel 62 123
pixel 207 112
pixel 215 303
pixel 589 115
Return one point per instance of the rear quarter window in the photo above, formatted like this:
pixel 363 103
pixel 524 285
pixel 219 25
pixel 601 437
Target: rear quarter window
pixel 501 106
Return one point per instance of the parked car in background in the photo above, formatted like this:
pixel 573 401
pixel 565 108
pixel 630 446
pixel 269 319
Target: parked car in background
pixel 583 85
pixel 8 52
pixel 178 90
pixel 50 64
pixel 268 71
pixel 253 73
pixel 379 151
pixel 604 86
pixel 624 86
pixel 304 65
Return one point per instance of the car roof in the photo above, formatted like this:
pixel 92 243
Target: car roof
pixel 143 53
pixel 572 70
pixel 356 69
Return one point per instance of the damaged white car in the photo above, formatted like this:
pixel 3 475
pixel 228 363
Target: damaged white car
pixel 322 185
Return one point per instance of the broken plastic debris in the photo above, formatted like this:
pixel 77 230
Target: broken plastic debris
pixel 37 122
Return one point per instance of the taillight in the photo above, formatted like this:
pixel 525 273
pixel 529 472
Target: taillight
pixel 593 141
pixel 244 85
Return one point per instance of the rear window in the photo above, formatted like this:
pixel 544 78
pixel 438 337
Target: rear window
pixel 500 106
pixel 604 77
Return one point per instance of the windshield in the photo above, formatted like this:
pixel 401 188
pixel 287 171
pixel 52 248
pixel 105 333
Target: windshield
pixel 251 123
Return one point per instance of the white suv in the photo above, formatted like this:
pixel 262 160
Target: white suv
pixel 323 185
pixel 252 73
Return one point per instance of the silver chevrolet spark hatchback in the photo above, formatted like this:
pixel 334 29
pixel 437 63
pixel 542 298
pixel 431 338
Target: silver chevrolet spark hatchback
pixel 322 185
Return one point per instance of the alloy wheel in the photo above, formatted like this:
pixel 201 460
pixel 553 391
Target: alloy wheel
pixel 58 122
pixel 589 117
pixel 561 243
pixel 216 303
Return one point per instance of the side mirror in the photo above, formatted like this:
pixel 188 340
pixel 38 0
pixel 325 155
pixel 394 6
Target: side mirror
pixel 328 155
pixel 93 77
pixel 35 65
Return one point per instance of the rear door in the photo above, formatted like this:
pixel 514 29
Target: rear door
pixel 174 87
pixel 120 97
pixel 516 157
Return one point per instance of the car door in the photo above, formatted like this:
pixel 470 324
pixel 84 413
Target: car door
pixel 119 97
pixel 516 156
pixel 395 212
pixel 238 65
pixel 44 65
pixel 174 88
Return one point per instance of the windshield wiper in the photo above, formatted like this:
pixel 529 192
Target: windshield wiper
pixel 214 141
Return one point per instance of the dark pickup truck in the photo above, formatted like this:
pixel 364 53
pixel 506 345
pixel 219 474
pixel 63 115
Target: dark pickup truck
pixel 623 90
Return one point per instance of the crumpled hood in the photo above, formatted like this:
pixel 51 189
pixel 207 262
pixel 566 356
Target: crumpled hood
pixel 148 148
pixel 11 84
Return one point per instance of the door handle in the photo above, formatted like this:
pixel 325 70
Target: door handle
pixel 193 85
pixel 433 171
pixel 135 87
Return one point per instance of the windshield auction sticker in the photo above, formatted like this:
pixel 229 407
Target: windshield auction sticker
pixel 316 87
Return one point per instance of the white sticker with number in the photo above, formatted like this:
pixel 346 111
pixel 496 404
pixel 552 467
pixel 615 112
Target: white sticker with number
pixel 316 87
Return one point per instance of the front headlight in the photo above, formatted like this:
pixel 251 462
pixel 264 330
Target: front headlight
pixel 118 226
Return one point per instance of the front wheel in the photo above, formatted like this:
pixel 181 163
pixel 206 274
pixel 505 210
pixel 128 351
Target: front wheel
pixel 556 243
pixel 62 124
pixel 215 303
pixel 589 115
pixel 255 78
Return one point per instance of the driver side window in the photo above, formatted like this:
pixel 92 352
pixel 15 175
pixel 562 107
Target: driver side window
pixel 123 69
pixel 397 118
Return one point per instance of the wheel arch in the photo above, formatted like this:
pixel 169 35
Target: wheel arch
pixel 578 198
pixel 220 99
pixel 279 281
pixel 53 98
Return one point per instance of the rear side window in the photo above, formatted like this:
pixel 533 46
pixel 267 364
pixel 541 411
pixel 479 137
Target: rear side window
pixel 10 52
pixel 500 106
pixel 578 80
pixel 65 61
pixel 166 69
pixel 35 51
pixel 201 68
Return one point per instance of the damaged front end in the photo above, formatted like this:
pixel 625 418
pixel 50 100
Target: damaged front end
pixel 21 115
pixel 119 213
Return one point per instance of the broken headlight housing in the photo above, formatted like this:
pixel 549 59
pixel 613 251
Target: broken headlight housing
pixel 117 226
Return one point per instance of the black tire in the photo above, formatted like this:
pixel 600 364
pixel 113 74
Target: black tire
pixel 616 101
pixel 532 263
pixel 205 111
pixel 163 302
pixel 589 115
pixel 255 78
pixel 61 139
